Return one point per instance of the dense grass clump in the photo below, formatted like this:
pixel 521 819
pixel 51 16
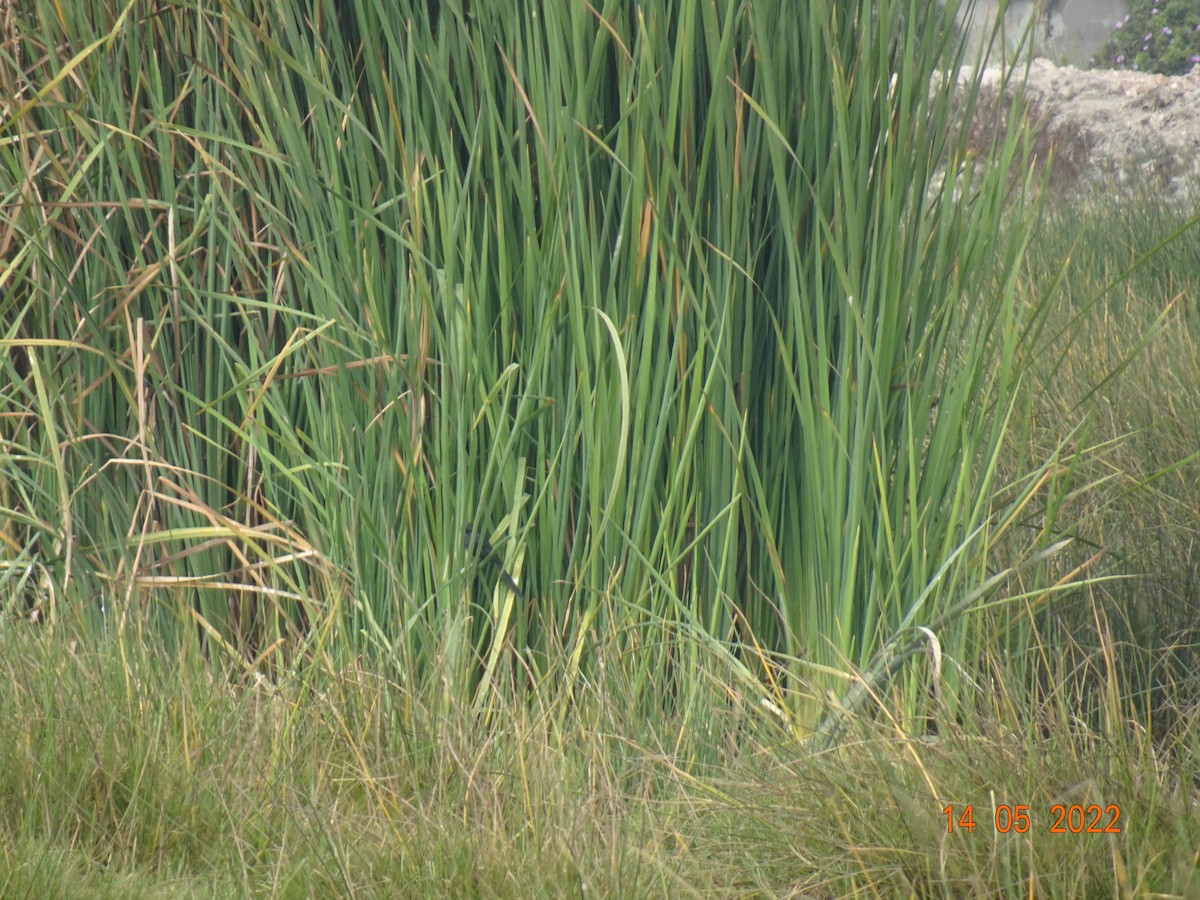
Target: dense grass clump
pixel 710 361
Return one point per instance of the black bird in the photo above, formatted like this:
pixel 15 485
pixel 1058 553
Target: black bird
pixel 483 551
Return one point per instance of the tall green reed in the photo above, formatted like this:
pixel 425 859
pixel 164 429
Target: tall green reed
pixel 665 299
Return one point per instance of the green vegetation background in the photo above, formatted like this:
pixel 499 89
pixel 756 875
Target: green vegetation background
pixel 812 483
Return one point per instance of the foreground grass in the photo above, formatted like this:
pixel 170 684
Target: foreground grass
pixel 123 773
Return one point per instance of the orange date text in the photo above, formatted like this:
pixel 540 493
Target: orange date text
pixel 1063 819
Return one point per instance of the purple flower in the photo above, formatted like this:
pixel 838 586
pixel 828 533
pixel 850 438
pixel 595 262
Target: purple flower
pixel 1147 35
pixel 1145 48
pixel 1154 12
pixel 1120 59
pixel 1196 59
pixel 1121 24
pixel 1166 29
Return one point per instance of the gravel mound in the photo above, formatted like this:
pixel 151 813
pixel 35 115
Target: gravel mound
pixel 1104 127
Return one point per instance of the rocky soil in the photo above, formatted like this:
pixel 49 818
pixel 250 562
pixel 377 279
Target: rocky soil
pixel 1105 127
